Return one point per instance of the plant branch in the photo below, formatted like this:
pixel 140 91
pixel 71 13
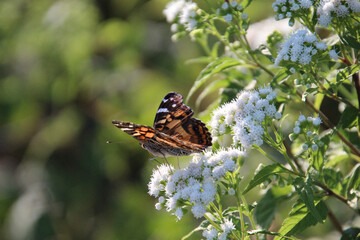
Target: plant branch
pixel 356 81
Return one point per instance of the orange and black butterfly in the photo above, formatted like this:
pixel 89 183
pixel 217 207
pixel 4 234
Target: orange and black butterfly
pixel 174 133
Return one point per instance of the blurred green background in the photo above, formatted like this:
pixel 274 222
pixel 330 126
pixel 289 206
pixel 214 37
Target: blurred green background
pixel 67 68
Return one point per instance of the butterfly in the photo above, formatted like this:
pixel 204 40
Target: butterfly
pixel 174 133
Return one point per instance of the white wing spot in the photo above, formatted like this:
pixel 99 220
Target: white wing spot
pixel 126 129
pixel 160 110
pixel 165 100
pixel 174 105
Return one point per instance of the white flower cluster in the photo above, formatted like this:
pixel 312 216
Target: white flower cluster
pixel 290 8
pixel 226 228
pixel 194 185
pixel 308 127
pixel 245 116
pixel 226 10
pixel 300 47
pixel 328 9
pixel 181 12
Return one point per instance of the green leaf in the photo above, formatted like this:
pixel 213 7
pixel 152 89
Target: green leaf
pixel 263 175
pixel 333 179
pixel 351 234
pixel 210 88
pixel 307 195
pixel 214 50
pixel 210 70
pixel 349 117
pixel 347 72
pixel 246 3
pixel 318 162
pixel 265 210
pixel 350 41
pixel 353 178
pixel 267 232
pixel 203 59
pixel 300 218
pixel 279 77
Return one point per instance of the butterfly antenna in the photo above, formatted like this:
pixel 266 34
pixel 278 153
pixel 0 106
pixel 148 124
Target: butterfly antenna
pixel 113 142
pixel 119 141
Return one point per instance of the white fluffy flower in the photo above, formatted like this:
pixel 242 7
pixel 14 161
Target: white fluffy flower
pixel 317 121
pixel 296 130
pixel 314 147
pixel 172 9
pixel 227 226
pixel 228 17
pixel 245 116
pixel 300 47
pixel 187 16
pixel 333 54
pixel 328 9
pixel 210 233
pixel 179 213
pixel 231 191
pixel 290 8
pixel 225 6
pixel 198 210
pixel 195 184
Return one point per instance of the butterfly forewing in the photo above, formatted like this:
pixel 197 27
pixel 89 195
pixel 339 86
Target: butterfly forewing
pixel 171 113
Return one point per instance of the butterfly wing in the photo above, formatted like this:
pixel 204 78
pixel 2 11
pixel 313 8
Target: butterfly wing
pixel 171 112
pixel 174 118
pixel 139 132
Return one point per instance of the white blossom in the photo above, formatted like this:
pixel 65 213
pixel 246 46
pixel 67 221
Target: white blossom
pixel 195 184
pixel 328 9
pixel 290 8
pixel 333 54
pixel 179 213
pixel 228 17
pixel 231 191
pixel 225 6
pixel 297 130
pixel 187 16
pixel 300 47
pixel 314 147
pixel 245 116
pixel 172 9
pixel 210 233
pixel 158 206
pixel 227 226
pixel 317 121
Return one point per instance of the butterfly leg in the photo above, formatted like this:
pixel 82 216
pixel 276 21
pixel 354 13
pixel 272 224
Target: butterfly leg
pixel 153 158
pixel 168 164
pixel 178 162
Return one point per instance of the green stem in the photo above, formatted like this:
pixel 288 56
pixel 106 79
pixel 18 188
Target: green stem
pixel 253 225
pixel 242 225
pixel 213 223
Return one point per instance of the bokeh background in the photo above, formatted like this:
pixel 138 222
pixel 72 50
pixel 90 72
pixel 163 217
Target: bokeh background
pixel 67 68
